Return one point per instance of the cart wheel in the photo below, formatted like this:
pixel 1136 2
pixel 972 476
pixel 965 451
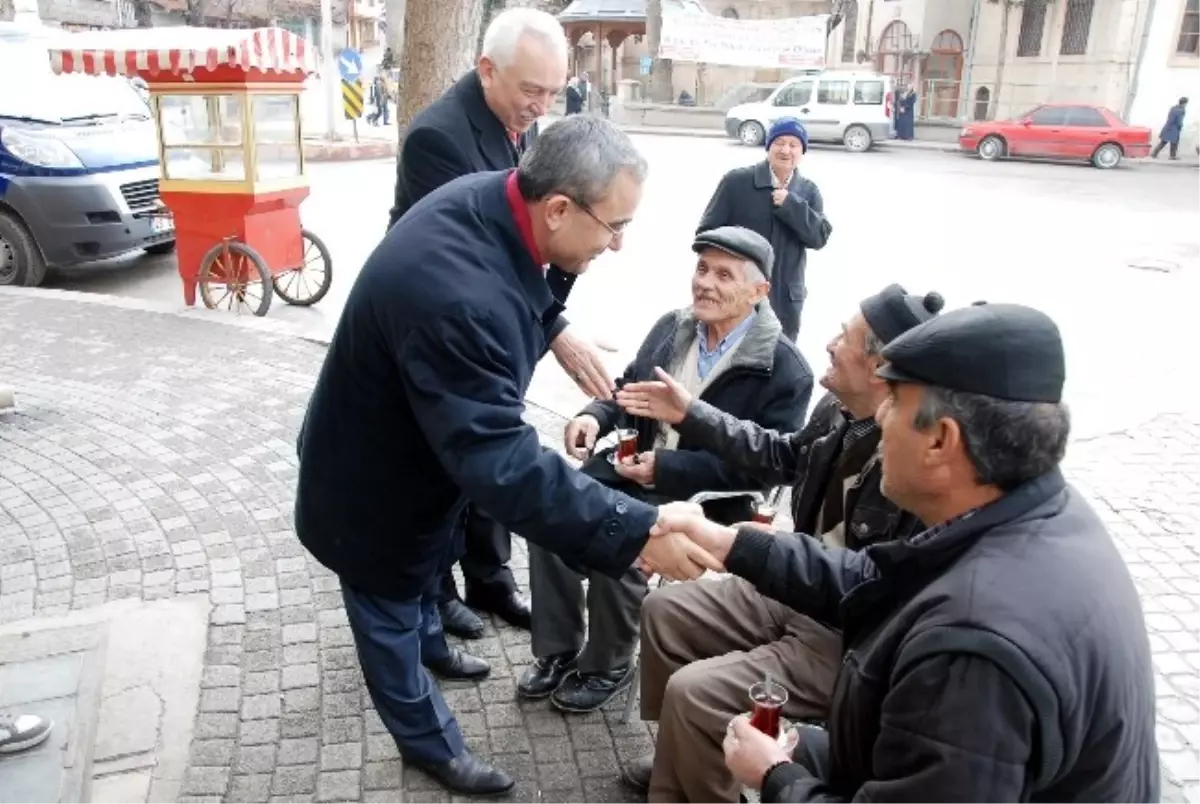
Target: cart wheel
pixel 306 285
pixel 234 277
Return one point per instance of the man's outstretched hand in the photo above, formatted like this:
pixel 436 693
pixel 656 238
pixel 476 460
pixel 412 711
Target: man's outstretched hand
pixel 583 364
pixel 664 400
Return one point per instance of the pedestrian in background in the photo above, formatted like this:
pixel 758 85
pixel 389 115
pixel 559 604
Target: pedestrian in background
pixel 1171 130
pixel 906 114
pixel 574 96
pixel 482 123
pixel 773 199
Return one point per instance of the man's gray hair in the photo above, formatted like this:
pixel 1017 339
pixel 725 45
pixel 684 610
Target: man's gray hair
pixel 507 28
pixel 1008 443
pixel 873 343
pixel 579 157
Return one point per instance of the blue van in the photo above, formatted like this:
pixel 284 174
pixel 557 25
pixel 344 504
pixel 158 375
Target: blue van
pixel 78 164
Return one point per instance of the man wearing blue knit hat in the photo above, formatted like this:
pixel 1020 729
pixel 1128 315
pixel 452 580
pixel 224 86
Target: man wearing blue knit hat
pixel 773 199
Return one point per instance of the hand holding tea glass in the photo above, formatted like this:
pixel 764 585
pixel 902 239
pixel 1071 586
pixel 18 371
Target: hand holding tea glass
pixel 638 468
pixel 753 744
pixel 664 400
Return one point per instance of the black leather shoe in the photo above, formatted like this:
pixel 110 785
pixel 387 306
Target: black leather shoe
pixel 637 773
pixel 587 692
pixel 469 775
pixel 460 666
pixel 511 607
pixel 459 620
pixel 546 674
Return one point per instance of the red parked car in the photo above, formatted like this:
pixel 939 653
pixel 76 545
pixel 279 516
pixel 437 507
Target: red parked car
pixel 1059 131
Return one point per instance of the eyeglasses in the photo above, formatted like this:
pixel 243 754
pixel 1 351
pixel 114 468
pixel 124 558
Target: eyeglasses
pixel 615 231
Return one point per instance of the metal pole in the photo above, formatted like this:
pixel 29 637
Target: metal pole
pixel 965 105
pixel 330 75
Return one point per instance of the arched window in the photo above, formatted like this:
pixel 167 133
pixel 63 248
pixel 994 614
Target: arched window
pixel 849 30
pixel 942 76
pixel 894 54
pixel 730 13
pixel 983 98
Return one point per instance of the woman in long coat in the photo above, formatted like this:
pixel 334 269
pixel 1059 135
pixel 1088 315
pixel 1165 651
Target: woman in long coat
pixel 906 113
pixel 1172 129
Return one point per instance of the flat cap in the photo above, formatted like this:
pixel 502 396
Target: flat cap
pixel 740 242
pixel 1004 351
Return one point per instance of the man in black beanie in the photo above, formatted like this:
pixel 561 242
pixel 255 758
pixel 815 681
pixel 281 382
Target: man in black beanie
pixel 703 644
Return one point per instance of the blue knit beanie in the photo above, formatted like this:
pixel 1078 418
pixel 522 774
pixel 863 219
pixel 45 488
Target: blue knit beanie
pixel 788 126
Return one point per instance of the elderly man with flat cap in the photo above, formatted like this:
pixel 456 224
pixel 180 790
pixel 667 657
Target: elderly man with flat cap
pixel 728 349
pixel 704 644
pixel 999 655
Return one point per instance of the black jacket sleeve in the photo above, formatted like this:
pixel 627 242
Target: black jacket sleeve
pixel 469 405
pixel 758 450
pixel 428 159
pixel 804 213
pixel 719 210
pixel 954 727
pixel 679 474
pixel 798 571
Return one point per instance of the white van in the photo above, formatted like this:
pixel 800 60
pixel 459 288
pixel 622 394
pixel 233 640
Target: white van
pixel 853 108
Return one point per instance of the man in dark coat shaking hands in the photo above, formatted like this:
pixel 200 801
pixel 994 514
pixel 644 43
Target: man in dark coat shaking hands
pixel 418 409
pixel 485 122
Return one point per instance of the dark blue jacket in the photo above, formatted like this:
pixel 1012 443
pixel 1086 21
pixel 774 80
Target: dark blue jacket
pixel 418 409
pixel 1174 125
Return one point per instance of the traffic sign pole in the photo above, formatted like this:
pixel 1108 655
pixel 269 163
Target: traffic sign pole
pixel 330 83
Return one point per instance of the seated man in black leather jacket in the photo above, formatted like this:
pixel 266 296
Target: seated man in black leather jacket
pixel 729 349
pixel 704 644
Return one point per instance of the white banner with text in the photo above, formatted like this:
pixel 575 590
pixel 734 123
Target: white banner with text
pixel 796 43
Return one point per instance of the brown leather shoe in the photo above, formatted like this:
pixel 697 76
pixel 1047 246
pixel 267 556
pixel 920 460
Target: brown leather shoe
pixel 636 774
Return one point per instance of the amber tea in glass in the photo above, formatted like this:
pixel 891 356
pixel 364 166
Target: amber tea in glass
pixel 767 698
pixel 626 444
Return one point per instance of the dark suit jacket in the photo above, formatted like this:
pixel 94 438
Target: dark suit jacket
pixel 418 409
pixel 456 135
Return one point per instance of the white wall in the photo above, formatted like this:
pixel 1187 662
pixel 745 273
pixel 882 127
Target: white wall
pixel 1164 77
pixel 1101 76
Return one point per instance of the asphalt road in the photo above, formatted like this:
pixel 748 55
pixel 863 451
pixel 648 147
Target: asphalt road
pixel 1111 255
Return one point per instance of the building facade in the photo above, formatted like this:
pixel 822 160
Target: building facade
pixel 1169 70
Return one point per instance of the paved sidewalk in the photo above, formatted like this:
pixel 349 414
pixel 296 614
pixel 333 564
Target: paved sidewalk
pixel 152 457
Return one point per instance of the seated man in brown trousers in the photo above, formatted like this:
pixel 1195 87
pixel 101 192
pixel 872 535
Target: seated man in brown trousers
pixel 705 643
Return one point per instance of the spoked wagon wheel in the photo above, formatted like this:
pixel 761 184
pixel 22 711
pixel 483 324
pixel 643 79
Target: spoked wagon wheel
pixel 308 283
pixel 234 277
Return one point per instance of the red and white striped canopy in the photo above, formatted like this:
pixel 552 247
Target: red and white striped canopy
pixel 153 52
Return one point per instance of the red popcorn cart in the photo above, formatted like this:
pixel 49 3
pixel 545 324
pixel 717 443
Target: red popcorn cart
pixel 226 105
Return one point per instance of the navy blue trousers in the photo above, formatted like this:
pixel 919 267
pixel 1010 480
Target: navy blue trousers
pixel 391 637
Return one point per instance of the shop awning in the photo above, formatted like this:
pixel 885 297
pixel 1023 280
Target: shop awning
pixel 182 50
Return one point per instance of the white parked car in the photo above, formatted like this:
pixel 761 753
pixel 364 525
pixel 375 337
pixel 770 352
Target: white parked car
pixel 853 108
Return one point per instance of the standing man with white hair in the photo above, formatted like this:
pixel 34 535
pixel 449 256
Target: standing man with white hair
pixel 483 123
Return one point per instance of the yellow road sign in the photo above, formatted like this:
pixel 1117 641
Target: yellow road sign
pixel 352 99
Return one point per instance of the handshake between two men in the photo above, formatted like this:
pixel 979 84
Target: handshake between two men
pixel 683 543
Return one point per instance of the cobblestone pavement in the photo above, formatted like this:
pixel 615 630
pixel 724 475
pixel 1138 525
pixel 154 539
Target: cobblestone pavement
pixel 153 456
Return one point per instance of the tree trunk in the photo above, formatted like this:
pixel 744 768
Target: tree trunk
pixel 490 9
pixel 439 43
pixel 1005 12
pixel 662 87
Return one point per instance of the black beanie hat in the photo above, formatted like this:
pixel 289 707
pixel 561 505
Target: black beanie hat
pixel 892 311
